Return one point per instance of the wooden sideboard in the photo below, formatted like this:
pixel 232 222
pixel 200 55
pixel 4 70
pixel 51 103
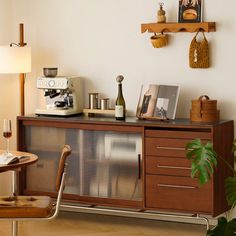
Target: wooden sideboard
pixel 133 163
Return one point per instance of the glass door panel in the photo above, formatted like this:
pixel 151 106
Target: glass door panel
pixel 47 143
pixel 103 164
pixel 111 163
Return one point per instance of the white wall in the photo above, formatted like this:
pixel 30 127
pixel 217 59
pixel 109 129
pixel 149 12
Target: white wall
pixel 101 39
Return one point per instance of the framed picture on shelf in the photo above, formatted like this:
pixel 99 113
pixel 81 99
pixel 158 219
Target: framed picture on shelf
pixel 158 102
pixel 190 11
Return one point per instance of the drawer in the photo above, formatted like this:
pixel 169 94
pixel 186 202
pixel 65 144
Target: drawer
pixel 178 193
pixel 165 147
pixel 170 147
pixel 206 134
pixel 168 166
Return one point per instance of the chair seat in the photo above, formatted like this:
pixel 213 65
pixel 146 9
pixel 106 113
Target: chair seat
pixel 25 206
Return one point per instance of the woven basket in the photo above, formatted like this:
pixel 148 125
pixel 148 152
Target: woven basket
pixel 204 110
pixel 205 116
pixel 199 53
pixel 159 41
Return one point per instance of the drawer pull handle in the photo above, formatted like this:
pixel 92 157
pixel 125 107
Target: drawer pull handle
pixel 174 167
pixel 176 186
pixel 171 148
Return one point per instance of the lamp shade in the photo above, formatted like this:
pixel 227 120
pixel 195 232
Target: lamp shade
pixel 14 60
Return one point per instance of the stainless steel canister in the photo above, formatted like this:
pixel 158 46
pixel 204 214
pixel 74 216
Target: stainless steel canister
pixel 93 100
pixel 104 103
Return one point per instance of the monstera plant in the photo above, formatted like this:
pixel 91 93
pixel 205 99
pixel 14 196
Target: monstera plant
pixel 203 163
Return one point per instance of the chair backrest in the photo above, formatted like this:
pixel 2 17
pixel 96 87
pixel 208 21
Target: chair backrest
pixel 66 151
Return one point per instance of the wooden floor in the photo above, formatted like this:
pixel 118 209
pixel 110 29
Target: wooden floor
pixel 81 224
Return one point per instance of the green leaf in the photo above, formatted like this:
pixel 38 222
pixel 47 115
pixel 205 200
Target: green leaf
pixel 234 149
pixel 230 190
pixel 223 228
pixel 203 159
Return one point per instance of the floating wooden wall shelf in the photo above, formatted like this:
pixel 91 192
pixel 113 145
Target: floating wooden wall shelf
pixel 178 27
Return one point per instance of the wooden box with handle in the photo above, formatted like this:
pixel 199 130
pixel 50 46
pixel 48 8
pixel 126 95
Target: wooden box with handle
pixel 204 110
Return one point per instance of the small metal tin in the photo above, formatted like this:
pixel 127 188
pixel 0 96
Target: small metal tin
pixel 104 103
pixel 93 100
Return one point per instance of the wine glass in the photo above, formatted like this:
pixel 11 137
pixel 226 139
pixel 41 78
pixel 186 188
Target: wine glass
pixel 7 133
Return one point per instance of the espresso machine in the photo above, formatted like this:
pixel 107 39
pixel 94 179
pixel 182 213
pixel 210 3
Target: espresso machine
pixel 63 95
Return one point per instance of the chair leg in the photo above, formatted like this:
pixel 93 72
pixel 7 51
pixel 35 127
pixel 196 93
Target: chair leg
pixel 14 228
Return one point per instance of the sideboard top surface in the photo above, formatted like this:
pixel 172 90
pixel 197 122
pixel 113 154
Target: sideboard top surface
pixel 130 121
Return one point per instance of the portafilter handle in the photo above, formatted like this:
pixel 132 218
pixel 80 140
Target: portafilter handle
pixel 51 93
pixel 54 95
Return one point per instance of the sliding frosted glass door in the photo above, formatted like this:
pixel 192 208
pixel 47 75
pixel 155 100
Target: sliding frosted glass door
pixel 111 165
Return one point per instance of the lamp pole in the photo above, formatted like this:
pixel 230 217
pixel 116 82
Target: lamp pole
pixel 22 75
pixel 22 112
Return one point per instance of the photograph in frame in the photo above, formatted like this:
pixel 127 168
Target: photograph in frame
pixel 158 102
pixel 167 101
pixel 190 11
pixel 148 101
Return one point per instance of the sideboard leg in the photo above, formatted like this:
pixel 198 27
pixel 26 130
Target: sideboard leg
pixel 205 219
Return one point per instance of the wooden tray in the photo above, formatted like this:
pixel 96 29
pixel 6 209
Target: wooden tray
pixel 92 112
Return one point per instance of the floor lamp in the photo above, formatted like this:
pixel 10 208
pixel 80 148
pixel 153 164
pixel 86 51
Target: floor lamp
pixel 16 59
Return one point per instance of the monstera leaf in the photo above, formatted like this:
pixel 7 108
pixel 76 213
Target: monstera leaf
pixel 223 228
pixel 234 149
pixel 230 189
pixel 203 159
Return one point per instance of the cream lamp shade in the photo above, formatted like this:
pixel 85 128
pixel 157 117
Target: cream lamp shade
pixel 14 60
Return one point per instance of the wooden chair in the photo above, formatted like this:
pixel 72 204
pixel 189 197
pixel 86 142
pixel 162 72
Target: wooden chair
pixel 20 208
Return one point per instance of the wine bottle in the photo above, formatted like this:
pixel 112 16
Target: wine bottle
pixel 120 101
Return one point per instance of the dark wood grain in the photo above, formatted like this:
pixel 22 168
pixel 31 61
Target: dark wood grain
pixel 178 193
pixel 168 166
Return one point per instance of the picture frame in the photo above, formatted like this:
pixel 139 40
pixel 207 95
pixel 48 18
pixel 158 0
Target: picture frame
pixel 158 102
pixel 190 11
